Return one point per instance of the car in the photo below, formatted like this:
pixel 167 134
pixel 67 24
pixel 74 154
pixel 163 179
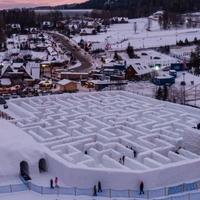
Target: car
pixel 156 58
pixel 5 106
pixel 14 96
pixel 144 54
pixel 22 95
pixel 2 101
pixel 6 96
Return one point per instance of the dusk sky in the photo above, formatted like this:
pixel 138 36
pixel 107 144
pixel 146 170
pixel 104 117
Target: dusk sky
pixel 31 3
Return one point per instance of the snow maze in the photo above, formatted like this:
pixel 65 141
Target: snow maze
pixel 95 130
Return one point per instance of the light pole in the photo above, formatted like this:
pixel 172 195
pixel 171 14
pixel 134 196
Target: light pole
pixel 184 88
pixel 196 95
pixel 143 42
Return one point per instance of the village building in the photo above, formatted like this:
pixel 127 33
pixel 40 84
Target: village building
pixel 88 31
pixel 76 76
pixel 66 85
pixel 15 72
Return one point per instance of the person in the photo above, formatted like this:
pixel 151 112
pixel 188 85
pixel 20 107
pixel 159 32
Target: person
pixel 86 152
pixel 120 160
pixel 198 126
pixel 99 187
pixel 177 150
pixel 95 191
pixel 142 188
pixel 51 184
pixel 134 153
pixel 123 159
pixel 56 181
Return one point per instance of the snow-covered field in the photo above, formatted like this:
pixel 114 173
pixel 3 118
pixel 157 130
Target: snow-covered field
pixel 120 35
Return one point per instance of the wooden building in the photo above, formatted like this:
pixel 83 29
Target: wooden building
pixel 66 85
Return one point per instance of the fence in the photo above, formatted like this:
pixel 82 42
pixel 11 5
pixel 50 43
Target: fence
pixel 178 192
pixel 13 188
pixel 148 194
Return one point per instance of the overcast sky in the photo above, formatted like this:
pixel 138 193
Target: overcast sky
pixel 30 3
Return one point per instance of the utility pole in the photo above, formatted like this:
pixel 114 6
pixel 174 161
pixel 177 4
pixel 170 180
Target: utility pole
pixel 184 88
pixel 195 95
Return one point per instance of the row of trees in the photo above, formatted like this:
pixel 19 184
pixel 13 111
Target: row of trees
pixel 27 17
pixel 138 8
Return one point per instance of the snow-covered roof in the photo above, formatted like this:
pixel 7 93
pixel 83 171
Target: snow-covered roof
pixel 87 30
pixel 65 82
pixel 139 67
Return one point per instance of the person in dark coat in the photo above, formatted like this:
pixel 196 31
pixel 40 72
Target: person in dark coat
pixel 123 160
pixel 56 181
pixel 142 188
pixel 198 126
pixel 134 153
pixel 51 184
pixel 95 191
pixel 99 187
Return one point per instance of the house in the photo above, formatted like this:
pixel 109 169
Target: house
pixel 15 72
pixel 119 20
pixel 100 85
pixel 130 73
pixel 74 75
pixel 88 31
pixel 137 71
pixel 92 24
pixel 97 47
pixel 14 28
pixel 66 85
pixel 60 24
pixel 177 66
pixel 158 14
pixel 47 25
pixel 164 80
pixel 33 30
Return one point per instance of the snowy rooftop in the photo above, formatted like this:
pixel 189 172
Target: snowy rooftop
pixel 109 125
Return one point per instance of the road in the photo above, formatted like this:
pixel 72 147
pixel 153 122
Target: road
pixel 85 59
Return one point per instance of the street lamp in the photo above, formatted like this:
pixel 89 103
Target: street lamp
pixel 143 42
pixel 183 84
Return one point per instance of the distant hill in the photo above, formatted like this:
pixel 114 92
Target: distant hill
pixel 137 7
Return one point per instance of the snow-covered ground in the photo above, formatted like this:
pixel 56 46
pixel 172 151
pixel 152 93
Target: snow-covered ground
pixel 120 35
pixel 28 195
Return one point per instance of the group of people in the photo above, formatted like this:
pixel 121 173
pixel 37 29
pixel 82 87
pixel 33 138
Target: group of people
pixel 4 115
pixel 134 151
pixel 54 183
pixel 122 160
pixel 97 188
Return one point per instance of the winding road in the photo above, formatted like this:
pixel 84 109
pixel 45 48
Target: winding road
pixel 86 60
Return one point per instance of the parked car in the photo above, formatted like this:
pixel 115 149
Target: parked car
pixel 5 106
pixel 2 101
pixel 6 96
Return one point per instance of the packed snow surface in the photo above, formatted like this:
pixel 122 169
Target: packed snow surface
pixel 86 134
